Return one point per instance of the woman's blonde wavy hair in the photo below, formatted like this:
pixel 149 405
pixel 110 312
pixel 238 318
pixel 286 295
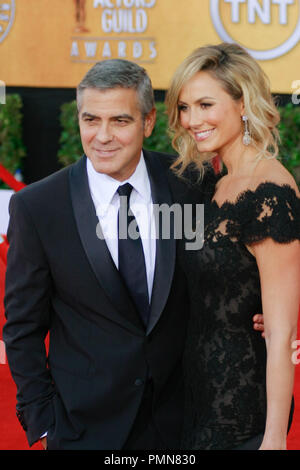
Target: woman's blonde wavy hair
pixel 242 78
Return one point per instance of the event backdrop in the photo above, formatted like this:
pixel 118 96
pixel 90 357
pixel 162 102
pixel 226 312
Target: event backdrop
pixel 52 43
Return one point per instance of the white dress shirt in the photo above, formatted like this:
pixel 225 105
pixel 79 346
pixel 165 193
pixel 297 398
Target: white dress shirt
pixel 103 190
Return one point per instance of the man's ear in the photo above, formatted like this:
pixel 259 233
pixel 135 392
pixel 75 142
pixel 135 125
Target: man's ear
pixel 149 122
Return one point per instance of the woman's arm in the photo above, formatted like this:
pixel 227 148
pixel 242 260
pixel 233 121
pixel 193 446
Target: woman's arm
pixel 279 268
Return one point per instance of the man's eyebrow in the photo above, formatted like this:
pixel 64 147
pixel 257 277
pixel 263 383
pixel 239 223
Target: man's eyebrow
pixel 124 116
pixel 118 116
pixel 85 114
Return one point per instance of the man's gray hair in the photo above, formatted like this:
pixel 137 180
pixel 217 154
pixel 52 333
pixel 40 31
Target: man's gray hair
pixel 119 73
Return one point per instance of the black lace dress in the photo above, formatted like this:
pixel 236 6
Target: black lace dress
pixel 225 358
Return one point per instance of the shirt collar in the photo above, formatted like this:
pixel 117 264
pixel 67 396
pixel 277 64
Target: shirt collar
pixel 140 180
pixel 103 187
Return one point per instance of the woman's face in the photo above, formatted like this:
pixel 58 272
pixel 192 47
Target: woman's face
pixel 210 115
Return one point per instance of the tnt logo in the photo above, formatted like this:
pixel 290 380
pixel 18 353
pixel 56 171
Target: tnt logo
pixel 262 11
pixel 270 28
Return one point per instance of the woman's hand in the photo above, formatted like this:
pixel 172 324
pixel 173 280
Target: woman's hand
pixel 258 323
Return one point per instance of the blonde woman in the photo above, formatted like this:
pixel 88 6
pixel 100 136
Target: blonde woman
pixel 238 386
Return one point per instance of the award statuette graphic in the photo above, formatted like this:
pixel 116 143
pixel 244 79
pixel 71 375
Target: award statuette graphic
pixel 7 16
pixel 80 16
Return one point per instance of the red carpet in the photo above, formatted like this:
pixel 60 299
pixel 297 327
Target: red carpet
pixel 12 436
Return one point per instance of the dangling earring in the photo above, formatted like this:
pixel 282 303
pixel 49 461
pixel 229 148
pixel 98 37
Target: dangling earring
pixel 246 136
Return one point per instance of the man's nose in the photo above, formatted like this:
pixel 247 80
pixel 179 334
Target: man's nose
pixel 104 133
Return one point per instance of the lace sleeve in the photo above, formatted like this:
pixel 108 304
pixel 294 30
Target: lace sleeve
pixel 269 211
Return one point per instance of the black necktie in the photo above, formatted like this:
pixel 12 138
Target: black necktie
pixel 131 255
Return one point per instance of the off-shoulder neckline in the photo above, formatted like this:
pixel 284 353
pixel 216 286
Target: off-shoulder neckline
pixel 251 192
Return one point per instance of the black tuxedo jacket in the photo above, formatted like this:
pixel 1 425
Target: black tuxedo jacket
pixel 61 279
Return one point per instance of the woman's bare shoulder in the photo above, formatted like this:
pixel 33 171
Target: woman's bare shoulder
pixel 273 171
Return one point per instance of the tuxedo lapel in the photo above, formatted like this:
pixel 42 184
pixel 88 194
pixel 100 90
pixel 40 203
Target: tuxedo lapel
pixel 165 248
pixel 96 249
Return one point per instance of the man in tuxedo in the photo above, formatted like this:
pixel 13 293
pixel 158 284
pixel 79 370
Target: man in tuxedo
pixel 115 308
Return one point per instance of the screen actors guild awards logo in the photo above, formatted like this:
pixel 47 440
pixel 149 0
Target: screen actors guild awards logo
pixel 121 31
pixel 7 15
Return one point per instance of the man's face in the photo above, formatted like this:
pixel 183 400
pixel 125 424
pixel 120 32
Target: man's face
pixel 112 130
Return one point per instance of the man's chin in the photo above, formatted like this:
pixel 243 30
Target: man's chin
pixel 103 169
pixel 103 165
pixel 109 170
